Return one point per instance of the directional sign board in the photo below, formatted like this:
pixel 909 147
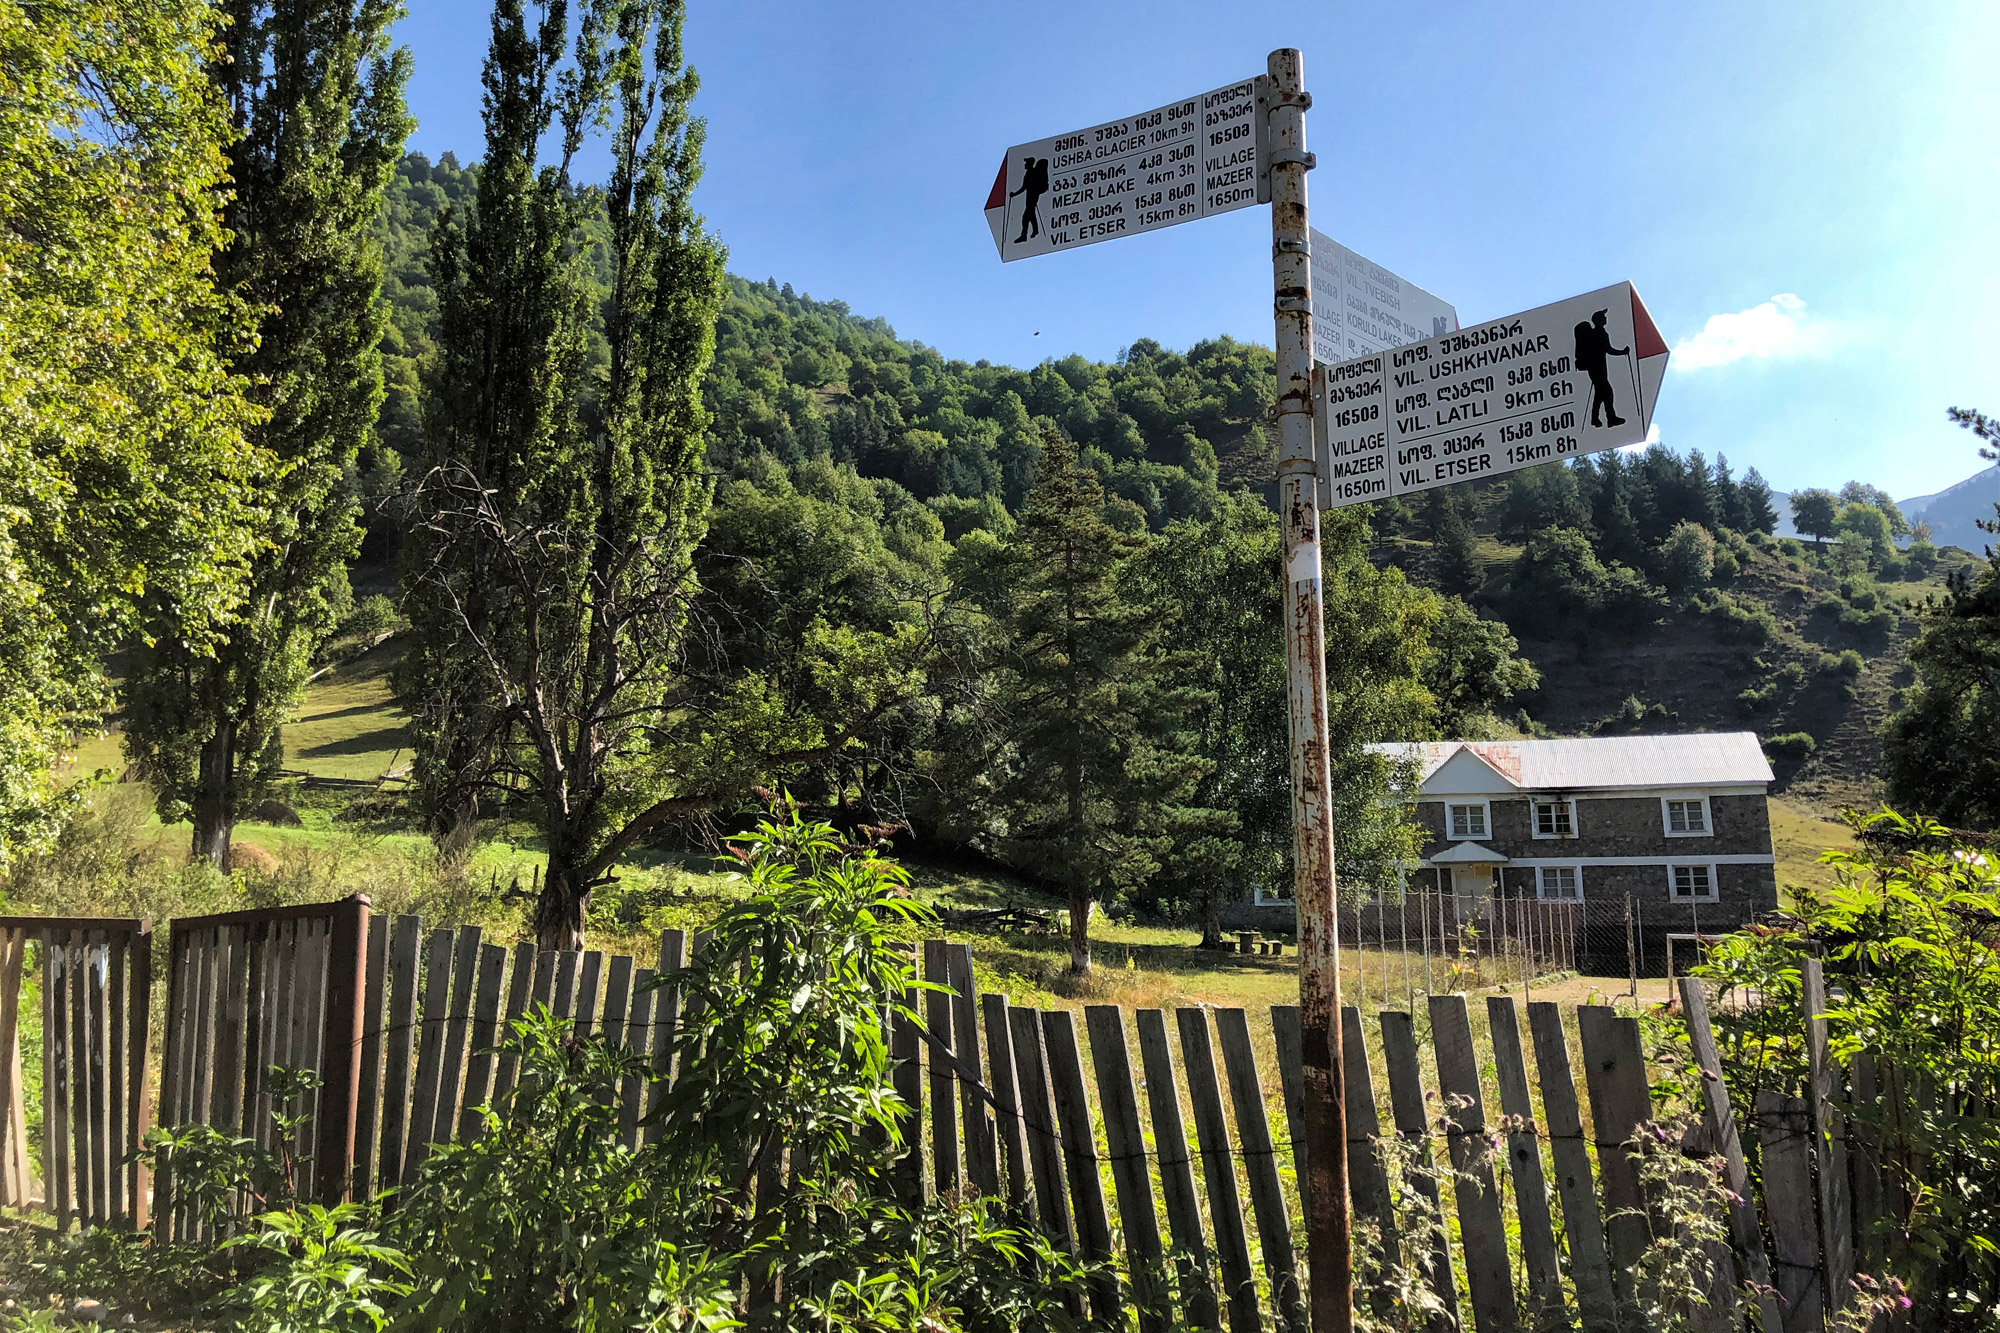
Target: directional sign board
pixel 1555 382
pixel 1360 307
pixel 1189 159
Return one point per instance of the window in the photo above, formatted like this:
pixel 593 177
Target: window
pixel 1555 819
pixel 1686 817
pixel 1466 821
pixel 1558 882
pixel 1692 883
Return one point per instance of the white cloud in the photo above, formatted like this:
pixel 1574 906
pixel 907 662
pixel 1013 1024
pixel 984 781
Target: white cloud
pixel 1778 327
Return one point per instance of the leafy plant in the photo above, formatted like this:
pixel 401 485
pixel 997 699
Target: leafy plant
pixel 328 1274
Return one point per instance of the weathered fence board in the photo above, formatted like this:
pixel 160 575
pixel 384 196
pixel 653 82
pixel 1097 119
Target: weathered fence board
pixel 1192 1268
pixel 1007 1116
pixel 1583 1225
pixel 1260 1167
pixel 1829 1141
pixel 1720 1120
pixel 1038 1122
pixel 1079 1150
pixel 1620 1101
pixel 1489 1275
pixel 1783 1138
pixel 1126 1143
pixel 1218 1166
pixel 943 1070
pixel 1524 1159
pixel 1406 1100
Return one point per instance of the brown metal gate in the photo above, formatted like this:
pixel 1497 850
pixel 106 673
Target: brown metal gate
pixel 96 976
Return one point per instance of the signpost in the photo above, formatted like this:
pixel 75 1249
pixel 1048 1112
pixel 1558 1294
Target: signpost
pixel 1408 402
pixel 1190 159
pixel 1573 377
pixel 1360 307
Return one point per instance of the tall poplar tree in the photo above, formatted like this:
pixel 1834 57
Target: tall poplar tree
pixel 315 93
pixel 551 570
pixel 127 488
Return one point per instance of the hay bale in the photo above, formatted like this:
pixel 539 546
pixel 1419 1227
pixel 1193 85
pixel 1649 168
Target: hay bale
pixel 249 856
pixel 277 812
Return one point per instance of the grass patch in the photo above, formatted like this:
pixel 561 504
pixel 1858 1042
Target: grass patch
pixel 1799 833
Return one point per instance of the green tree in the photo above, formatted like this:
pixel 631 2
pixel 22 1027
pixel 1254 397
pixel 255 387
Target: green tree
pixel 1813 513
pixel 1759 513
pixel 316 95
pixel 1860 492
pixel 1085 776
pixel 1942 750
pixel 130 490
pixel 1471 671
pixel 1868 530
pixel 1687 558
pixel 1542 497
pixel 1559 585
pixel 830 604
pixel 1454 563
pixel 551 577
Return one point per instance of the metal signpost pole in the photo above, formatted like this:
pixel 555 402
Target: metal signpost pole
pixel 1327 1235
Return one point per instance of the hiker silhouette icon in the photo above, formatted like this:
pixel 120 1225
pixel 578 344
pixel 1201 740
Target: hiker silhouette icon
pixel 1034 184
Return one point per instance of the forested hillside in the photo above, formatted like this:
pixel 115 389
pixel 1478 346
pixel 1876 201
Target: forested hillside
pixel 796 378
pixel 1647 588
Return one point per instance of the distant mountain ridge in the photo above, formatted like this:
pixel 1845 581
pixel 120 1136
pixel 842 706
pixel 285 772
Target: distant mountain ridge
pixel 1954 513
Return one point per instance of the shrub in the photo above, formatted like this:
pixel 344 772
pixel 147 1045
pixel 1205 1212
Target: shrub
pixel 1734 621
pixel 1792 675
pixel 1790 745
pixel 371 618
pixel 1907 929
pixel 1861 591
pixel 1758 697
pixel 1870 624
pixel 1687 558
pixel 1922 557
pixel 1846 662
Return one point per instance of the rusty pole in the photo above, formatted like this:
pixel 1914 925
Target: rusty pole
pixel 1328 1242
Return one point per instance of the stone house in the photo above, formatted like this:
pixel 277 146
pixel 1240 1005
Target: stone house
pixel 1675 825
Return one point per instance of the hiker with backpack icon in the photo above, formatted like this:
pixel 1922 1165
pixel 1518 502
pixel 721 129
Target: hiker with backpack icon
pixel 1593 354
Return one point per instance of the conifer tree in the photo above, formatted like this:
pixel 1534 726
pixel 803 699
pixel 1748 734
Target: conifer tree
pixel 551 572
pixel 1760 514
pixel 1454 564
pixel 1087 777
pixel 1730 511
pixel 316 96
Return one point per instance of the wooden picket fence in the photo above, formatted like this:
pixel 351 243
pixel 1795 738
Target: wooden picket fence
pixel 96 1013
pixel 1180 1173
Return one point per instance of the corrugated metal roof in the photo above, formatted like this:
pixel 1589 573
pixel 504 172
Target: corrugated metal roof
pixel 1701 759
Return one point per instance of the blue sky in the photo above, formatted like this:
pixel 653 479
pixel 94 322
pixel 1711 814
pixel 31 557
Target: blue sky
pixel 1806 194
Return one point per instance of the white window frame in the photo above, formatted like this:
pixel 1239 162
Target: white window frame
pixel 1485 818
pixel 1535 803
pixel 1714 893
pixel 1541 885
pixel 1707 829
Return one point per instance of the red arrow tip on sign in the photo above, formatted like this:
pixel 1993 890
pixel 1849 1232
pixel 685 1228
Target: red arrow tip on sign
pixel 998 197
pixel 1646 339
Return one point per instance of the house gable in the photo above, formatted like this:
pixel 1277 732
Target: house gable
pixel 1467 773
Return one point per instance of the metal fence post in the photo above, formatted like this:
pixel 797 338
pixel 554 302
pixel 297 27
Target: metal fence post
pixel 1328 1240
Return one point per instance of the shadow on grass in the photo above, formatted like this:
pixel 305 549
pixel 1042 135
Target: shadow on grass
pixel 365 742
